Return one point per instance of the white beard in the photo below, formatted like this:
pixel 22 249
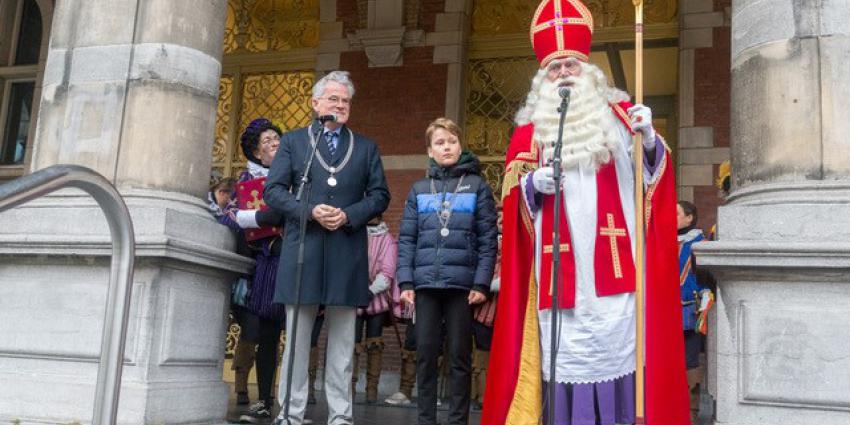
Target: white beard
pixel 590 127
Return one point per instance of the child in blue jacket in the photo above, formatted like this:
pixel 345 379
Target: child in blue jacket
pixel 446 255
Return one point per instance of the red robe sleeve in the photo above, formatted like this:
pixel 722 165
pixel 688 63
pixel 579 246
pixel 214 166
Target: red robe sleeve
pixel 513 394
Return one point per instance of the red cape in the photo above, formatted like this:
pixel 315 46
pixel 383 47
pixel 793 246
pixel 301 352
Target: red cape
pixel 514 384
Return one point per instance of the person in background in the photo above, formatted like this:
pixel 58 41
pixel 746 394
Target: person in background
pixel 220 199
pixel 220 196
pixel 696 300
pixel 260 142
pixel 407 379
pixel 382 264
pixel 447 252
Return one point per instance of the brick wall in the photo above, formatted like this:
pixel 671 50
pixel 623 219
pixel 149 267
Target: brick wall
pixel 704 114
pixel 394 105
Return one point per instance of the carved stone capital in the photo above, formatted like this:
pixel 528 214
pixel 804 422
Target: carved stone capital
pixel 383 47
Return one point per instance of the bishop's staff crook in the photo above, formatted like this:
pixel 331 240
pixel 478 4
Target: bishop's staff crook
pixel 639 225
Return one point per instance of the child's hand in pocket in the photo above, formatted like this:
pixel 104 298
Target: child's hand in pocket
pixel 476 297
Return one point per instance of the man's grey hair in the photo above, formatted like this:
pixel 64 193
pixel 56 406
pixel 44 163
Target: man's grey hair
pixel 341 77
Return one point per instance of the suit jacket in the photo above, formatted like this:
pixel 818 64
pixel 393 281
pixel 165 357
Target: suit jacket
pixel 336 266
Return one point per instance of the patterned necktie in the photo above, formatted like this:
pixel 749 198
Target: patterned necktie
pixel 330 137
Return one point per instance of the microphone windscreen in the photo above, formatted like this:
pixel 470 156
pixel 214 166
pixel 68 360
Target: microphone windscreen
pixel 564 92
pixel 326 118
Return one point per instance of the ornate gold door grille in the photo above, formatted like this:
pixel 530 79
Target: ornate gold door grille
pixel 283 97
pixel 496 88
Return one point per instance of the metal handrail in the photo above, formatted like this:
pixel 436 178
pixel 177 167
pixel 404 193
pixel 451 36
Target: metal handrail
pixel 42 182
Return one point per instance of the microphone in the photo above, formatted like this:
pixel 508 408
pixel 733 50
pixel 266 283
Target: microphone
pixel 564 92
pixel 326 118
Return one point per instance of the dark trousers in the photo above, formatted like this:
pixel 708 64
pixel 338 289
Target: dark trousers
pixel 483 335
pixel 268 339
pixel 374 326
pixel 410 336
pixel 693 346
pixel 432 307
pixel 317 327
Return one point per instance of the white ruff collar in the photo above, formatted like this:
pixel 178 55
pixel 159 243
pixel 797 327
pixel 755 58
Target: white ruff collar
pixel 691 235
pixel 257 170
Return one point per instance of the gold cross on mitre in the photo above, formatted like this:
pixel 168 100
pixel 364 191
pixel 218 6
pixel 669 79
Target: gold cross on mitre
pixel 549 249
pixel 257 201
pixel 576 14
pixel 612 233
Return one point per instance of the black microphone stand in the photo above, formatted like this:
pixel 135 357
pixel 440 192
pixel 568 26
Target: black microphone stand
pixel 556 255
pixel 299 271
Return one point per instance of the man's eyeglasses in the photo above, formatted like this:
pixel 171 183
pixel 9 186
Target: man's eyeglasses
pixel 336 100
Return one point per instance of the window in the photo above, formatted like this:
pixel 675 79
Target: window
pixel 20 48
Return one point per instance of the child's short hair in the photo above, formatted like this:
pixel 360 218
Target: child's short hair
pixel 223 183
pixel 689 209
pixel 445 124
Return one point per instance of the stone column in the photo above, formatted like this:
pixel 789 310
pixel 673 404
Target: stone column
pixel 130 90
pixel 783 257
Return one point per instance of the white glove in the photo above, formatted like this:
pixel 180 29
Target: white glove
pixel 542 180
pixel 247 219
pixel 495 284
pixel 380 284
pixel 641 117
pixel 705 298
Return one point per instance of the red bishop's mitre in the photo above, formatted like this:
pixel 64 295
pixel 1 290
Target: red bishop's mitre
pixel 561 28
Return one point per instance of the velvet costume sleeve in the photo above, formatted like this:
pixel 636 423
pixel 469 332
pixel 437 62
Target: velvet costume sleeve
pixel 269 217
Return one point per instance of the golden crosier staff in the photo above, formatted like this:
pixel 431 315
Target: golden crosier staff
pixel 640 224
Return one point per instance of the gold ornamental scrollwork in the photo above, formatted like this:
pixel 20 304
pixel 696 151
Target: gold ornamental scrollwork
pixel 232 338
pixel 282 97
pixel 271 25
pixel 222 118
pixel 496 88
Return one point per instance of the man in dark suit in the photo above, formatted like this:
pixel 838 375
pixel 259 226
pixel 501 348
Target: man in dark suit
pixel 347 188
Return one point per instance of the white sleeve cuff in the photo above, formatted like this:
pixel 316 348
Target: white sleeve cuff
pixel 247 219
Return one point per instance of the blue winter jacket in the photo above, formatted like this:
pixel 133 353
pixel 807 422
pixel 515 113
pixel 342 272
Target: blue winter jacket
pixel 465 258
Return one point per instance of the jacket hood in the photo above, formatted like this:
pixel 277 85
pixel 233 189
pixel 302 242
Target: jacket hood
pixel 467 164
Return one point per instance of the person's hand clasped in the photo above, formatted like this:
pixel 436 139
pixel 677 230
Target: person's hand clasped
pixel 329 217
pixel 408 296
pixel 476 297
